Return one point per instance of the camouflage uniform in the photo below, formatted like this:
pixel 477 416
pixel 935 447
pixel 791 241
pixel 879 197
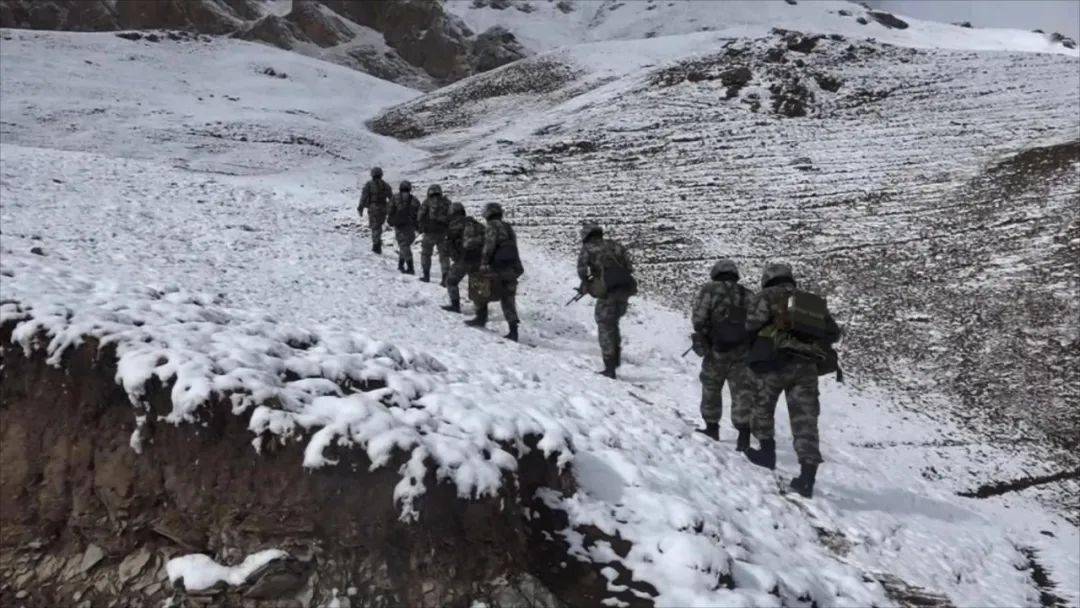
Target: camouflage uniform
pixel 796 378
pixel 402 215
pixel 374 197
pixel 716 298
pixel 595 255
pixel 496 233
pixel 464 243
pixel 433 218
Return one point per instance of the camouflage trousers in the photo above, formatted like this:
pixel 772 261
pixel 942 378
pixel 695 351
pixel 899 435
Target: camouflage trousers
pixel 428 244
pixel 376 220
pixel 458 271
pixel 730 367
pixel 405 239
pixel 508 301
pixel 798 381
pixel 608 311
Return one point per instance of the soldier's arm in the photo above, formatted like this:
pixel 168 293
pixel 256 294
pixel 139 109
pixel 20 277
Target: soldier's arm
pixel 627 259
pixel 489 245
pixel 364 196
pixel 583 264
pixel 757 313
pixel 700 317
pixel 832 330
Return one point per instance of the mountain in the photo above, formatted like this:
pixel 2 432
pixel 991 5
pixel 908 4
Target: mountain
pixel 214 394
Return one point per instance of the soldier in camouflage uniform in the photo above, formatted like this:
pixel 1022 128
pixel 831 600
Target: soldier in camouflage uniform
pixel 501 264
pixel 795 377
pixel 374 197
pixel 402 216
pixel 723 301
pixel 464 244
pixel 434 219
pixel 597 256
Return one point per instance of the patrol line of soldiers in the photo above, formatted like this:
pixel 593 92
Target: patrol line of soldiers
pixel 487 255
pixel 735 330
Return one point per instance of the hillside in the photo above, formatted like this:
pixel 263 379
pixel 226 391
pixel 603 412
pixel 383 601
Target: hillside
pixel 931 193
pixel 257 396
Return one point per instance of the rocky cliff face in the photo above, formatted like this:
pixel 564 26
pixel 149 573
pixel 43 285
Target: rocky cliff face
pixel 88 521
pixel 421 44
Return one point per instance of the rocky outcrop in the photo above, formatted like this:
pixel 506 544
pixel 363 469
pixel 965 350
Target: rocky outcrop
pixel 76 15
pixel 495 47
pixel 86 519
pixel 206 16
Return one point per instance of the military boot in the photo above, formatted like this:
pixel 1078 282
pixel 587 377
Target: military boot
pixel 479 320
pixel 513 334
pixel 426 275
pixel 376 247
pixel 610 365
pixel 453 306
pixel 711 430
pixel 409 269
pixel 742 443
pixel 765 455
pixel 400 265
pixel 804 483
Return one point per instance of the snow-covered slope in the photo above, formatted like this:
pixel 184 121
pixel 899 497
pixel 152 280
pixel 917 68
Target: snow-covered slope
pixel 222 106
pixel 930 193
pixel 109 212
pixel 543 25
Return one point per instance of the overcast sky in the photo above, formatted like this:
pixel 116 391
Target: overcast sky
pixel 1048 15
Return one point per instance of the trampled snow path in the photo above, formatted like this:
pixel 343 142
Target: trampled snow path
pixel 288 244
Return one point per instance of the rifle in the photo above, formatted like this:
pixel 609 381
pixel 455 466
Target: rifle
pixel 580 294
pixel 687 351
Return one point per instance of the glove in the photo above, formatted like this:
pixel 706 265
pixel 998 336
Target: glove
pixel 700 344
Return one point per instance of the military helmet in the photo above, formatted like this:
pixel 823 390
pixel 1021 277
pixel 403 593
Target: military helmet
pixel 457 209
pixel 434 190
pixel 405 186
pixel 724 266
pixel 776 271
pixel 376 172
pixel 492 210
pixel 589 229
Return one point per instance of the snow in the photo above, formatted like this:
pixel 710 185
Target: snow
pixel 548 28
pixel 202 572
pixel 229 273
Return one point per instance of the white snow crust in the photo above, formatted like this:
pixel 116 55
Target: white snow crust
pixel 202 572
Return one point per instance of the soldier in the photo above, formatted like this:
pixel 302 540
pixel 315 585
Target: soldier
pixel 720 337
pixel 434 219
pixel 402 216
pixel 374 197
pixel 501 265
pixel 606 273
pixel 788 373
pixel 464 244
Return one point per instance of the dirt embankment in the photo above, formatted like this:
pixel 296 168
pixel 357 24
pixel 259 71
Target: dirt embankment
pixel 86 521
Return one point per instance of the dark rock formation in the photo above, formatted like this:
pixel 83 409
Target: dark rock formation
pixel 495 47
pixel 888 20
pixel 83 516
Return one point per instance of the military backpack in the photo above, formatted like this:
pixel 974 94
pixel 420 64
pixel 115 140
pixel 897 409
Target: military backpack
pixel 438 217
pixel 614 275
pixel 728 327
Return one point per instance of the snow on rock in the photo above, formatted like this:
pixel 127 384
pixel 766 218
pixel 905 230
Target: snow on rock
pixel 330 387
pixel 200 571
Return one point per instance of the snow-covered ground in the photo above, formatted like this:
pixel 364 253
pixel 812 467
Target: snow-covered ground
pixel 106 199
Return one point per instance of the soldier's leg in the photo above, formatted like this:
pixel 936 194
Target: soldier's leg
pixel 620 306
pixel 607 329
pixel 803 410
pixel 509 302
pixel 444 258
pixel 741 383
pixel 427 244
pixel 767 391
pixel 376 236
pixel 453 280
pixel 712 381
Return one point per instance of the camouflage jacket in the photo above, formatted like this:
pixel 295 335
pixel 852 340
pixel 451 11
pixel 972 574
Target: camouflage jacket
pixel 376 193
pixel 465 239
pixel 498 235
pixel 717 298
pixel 596 255
pixel 434 214
pixel 765 306
pixel 402 212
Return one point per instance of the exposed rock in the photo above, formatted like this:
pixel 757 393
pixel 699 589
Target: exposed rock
pixel 277 31
pixel 1065 41
pixel 888 20
pixel 966 24
pixel 774 55
pixel 74 15
pixel 862 21
pixel 565 6
pixel 37 251
pixel 130 35
pixel 844 13
pixel 790 98
pixel 495 47
pixel 206 16
pixel 318 24
pixel 72 475
pixel 828 82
